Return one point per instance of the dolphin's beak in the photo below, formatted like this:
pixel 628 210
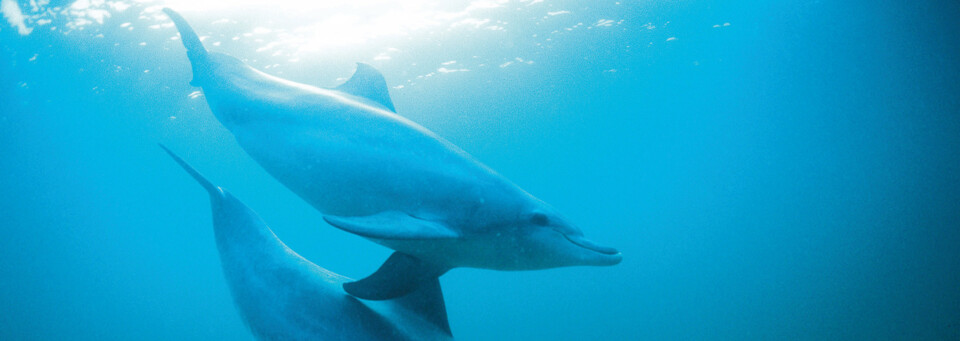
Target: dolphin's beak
pixel 611 255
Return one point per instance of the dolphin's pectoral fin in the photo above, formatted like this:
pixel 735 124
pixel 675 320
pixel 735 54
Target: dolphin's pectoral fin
pixel 400 275
pixel 368 83
pixel 391 225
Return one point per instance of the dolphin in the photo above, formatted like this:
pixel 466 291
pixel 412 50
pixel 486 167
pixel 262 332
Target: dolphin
pixel 283 296
pixel 379 175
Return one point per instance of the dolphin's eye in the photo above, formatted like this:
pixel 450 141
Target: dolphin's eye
pixel 540 219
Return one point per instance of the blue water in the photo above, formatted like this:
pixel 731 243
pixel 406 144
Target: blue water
pixel 769 169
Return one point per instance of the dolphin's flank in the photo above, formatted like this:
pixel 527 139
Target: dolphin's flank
pixel 381 176
pixel 282 296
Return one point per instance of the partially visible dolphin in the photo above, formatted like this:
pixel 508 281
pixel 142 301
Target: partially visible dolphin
pixel 379 175
pixel 282 296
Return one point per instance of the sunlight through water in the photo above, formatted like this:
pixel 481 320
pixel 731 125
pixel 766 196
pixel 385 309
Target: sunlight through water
pixel 274 34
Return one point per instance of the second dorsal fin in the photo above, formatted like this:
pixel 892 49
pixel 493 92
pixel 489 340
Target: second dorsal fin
pixel 427 301
pixel 368 83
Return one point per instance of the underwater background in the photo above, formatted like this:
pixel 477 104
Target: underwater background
pixel 769 169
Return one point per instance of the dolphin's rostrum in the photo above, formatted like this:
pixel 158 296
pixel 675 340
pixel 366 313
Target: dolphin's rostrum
pixel 376 174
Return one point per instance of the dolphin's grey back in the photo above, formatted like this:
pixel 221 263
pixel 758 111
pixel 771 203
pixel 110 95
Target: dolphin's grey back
pixel 345 150
pixel 283 296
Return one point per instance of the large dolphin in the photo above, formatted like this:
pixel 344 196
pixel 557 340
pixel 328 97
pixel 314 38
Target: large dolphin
pixel 283 296
pixel 379 175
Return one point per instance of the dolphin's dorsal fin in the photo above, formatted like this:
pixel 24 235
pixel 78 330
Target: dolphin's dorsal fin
pixel 427 302
pixel 400 275
pixel 368 83
pixel 391 225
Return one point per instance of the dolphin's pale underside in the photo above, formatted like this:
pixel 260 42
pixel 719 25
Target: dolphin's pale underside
pixel 376 174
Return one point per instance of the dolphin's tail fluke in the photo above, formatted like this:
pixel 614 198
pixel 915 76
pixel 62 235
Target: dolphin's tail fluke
pixel 190 39
pixel 195 50
pixel 207 185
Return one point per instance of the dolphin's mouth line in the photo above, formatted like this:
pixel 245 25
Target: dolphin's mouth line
pixel 589 245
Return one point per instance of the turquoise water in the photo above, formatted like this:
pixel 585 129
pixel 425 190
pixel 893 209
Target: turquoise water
pixel 769 170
